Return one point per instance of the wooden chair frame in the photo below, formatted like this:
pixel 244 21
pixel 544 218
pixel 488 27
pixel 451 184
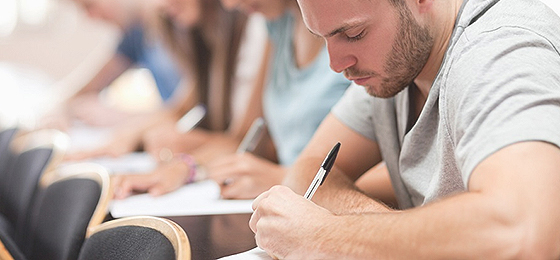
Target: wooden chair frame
pixel 168 228
pixel 4 253
pixel 46 138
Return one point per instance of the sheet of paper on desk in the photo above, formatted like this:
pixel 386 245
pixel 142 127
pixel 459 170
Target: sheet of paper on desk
pixel 84 137
pixel 253 254
pixel 128 163
pixel 135 163
pixel 201 198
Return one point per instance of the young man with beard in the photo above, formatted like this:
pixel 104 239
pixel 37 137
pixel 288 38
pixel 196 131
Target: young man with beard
pixel 462 102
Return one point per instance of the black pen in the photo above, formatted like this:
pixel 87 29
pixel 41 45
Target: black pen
pixel 324 170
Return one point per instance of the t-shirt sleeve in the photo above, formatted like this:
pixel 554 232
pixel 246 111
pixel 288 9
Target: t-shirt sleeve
pixel 354 110
pixel 504 91
pixel 132 44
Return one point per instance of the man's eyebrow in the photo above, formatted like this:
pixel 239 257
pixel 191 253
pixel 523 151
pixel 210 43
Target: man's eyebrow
pixel 343 28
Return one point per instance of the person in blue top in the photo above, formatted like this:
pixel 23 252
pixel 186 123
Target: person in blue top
pixel 139 47
pixel 140 50
pixel 299 93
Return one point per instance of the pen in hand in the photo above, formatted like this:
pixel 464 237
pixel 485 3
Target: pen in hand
pixel 249 142
pixel 324 170
pixel 253 136
pixel 191 119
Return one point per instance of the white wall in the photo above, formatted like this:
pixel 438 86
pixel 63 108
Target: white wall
pixel 58 43
pixel 46 45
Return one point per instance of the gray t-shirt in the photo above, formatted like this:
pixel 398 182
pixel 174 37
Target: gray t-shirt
pixel 499 84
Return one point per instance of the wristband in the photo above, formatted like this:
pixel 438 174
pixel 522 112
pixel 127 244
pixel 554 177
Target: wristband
pixel 191 163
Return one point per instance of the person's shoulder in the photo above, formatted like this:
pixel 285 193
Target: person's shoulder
pixel 510 31
pixel 507 16
pixel 279 24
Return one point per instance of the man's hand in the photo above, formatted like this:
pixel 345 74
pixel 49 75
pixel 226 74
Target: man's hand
pixel 288 226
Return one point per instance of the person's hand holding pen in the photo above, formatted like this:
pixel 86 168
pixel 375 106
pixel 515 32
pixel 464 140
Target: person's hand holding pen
pixel 280 214
pixel 165 140
pixel 244 175
pixel 169 176
pixel 286 225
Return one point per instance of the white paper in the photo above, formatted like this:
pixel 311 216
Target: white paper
pixel 253 254
pixel 201 198
pixel 83 137
pixel 132 163
pixel 128 163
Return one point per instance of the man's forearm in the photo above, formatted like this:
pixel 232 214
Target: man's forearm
pixel 337 194
pixel 463 227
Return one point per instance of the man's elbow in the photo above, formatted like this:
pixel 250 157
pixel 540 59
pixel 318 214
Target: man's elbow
pixel 539 241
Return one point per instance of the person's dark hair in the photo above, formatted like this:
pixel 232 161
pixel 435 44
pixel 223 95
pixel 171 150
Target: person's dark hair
pixel 208 55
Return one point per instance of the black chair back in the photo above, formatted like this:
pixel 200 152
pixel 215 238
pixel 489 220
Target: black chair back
pixel 11 248
pixel 128 243
pixel 6 137
pixel 23 177
pixel 137 238
pixel 62 213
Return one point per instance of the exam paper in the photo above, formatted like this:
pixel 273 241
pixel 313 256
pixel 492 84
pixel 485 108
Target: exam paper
pixel 83 137
pixel 128 163
pixel 253 254
pixel 132 163
pixel 201 198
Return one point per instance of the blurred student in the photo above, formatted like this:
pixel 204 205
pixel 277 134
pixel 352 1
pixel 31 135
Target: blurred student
pixel 221 52
pixel 299 92
pixel 139 47
pixel 204 38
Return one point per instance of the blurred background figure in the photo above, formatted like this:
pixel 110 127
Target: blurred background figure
pixel 205 43
pixel 49 48
pixel 140 46
pixel 298 93
pixel 223 51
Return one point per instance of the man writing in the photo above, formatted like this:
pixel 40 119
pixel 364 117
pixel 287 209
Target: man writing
pixel 462 102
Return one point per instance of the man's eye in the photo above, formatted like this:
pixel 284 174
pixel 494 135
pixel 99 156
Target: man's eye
pixel 355 37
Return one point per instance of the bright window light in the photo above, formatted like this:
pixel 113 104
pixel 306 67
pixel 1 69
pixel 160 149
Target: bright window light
pixel 34 12
pixel 8 17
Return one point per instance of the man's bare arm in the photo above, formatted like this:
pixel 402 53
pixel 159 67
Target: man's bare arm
pixel 511 210
pixel 357 154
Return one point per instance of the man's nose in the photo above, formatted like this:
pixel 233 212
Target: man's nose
pixel 339 58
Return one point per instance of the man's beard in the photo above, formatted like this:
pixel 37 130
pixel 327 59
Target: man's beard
pixel 410 52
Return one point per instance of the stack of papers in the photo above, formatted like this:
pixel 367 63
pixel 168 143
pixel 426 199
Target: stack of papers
pixel 201 198
pixel 253 254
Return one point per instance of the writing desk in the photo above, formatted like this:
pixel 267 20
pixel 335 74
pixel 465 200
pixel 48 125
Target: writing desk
pixel 211 235
pixel 215 236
